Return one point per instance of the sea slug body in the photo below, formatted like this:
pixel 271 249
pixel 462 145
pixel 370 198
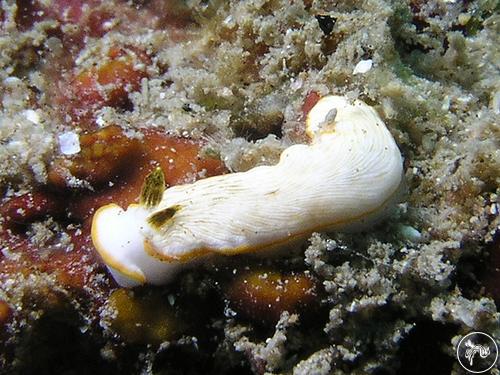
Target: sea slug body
pixel 348 175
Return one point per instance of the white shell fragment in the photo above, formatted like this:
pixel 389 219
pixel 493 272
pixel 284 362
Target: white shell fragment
pixel 69 143
pixel 362 67
pixel 344 179
pixel 32 116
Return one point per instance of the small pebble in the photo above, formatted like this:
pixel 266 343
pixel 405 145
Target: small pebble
pixel 362 67
pixel 409 233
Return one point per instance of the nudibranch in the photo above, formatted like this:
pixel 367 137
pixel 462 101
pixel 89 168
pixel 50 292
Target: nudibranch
pixel 347 176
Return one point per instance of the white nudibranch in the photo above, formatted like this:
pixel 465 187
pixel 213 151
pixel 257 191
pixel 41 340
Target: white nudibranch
pixel 348 175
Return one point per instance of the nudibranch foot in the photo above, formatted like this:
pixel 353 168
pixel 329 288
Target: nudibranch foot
pixel 348 175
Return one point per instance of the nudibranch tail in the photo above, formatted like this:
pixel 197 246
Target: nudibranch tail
pixel 348 175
